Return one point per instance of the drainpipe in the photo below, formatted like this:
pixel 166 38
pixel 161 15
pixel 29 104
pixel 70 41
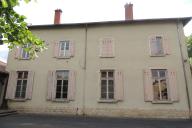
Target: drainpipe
pixel 84 68
pixel 184 70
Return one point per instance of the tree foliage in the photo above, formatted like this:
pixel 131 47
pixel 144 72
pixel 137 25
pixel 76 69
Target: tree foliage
pixel 14 30
pixel 189 47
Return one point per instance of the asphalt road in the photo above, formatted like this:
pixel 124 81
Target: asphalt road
pixel 50 121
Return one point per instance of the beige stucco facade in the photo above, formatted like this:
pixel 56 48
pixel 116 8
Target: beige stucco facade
pixel 131 57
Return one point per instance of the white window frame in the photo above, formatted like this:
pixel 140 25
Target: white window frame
pixel 62 79
pixel 159 78
pixel 22 79
pixel 24 54
pixel 107 78
pixel 65 51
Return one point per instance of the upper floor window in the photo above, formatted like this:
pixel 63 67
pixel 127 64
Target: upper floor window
pixel 24 54
pixel 107 47
pixel 156 46
pixel 21 86
pixel 64 49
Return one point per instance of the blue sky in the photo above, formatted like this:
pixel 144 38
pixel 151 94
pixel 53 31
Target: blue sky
pixel 42 12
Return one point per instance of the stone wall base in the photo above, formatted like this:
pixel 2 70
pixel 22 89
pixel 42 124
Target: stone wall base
pixel 132 113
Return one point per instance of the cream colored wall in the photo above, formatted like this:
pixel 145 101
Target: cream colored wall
pixel 131 57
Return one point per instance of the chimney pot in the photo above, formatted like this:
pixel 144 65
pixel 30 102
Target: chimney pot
pixel 128 11
pixel 57 16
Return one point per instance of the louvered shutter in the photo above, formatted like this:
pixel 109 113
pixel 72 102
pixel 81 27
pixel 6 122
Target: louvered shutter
pixel 166 47
pixel 30 81
pixel 107 47
pixel 71 85
pixel 12 82
pixel 18 53
pixel 50 85
pixel 72 48
pixel 148 87
pixel 56 49
pixel 119 88
pixel 153 47
pixel 173 92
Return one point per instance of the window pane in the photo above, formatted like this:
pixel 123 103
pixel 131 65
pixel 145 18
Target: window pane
pixel 164 93
pixel 159 45
pixel 156 89
pixel 103 88
pixel 111 88
pixel 110 82
pixel 65 82
pixel 23 95
pixel 110 74
pixel 58 89
pixel 24 82
pixel 18 88
pixel 24 88
pixel 65 74
pixel 58 95
pixel 18 82
pixel 65 88
pixel 20 75
pixel 64 95
pixel 154 73
pixel 162 73
pixel 62 45
pixel 103 95
pixel 67 45
pixel 103 82
pixel 62 74
pixel 59 82
pixel 25 75
pixel 103 74
pixel 17 94
pixel 111 95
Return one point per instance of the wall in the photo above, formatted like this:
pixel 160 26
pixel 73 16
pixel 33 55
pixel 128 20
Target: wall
pixel 131 57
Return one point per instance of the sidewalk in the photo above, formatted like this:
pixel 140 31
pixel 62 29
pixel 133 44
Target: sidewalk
pixel 6 112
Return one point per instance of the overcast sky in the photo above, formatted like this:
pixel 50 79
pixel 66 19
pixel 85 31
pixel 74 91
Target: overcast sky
pixel 74 11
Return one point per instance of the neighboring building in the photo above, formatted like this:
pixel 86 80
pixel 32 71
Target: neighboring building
pixel 131 68
pixel 3 84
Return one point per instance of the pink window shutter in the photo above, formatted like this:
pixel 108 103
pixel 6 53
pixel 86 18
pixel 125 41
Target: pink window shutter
pixel 102 48
pixel 148 87
pixel 50 84
pixel 10 93
pixel 152 44
pixel 71 85
pixel 53 90
pixel 119 88
pixel 30 81
pixel 72 48
pixel 56 49
pixel 166 47
pixel 173 92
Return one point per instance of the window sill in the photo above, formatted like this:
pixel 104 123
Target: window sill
pixel 19 100
pixel 107 101
pixel 107 56
pixel 61 100
pixel 67 57
pixel 163 55
pixel 162 102
pixel 23 58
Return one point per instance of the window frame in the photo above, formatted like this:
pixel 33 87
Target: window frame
pixel 159 86
pixel 65 52
pixel 154 37
pixel 26 54
pixel 21 88
pixel 107 79
pixel 62 80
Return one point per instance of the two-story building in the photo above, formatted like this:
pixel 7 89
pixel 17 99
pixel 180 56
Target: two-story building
pixel 130 68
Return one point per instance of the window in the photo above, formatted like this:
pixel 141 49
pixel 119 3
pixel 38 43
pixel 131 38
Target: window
pixel 24 54
pixel 156 45
pixel 107 47
pixel 107 84
pixel 21 84
pixel 64 48
pixel 159 81
pixel 62 82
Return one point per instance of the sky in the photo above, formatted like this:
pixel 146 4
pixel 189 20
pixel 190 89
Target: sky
pixel 76 11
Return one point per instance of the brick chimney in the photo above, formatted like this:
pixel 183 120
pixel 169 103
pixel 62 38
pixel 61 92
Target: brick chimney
pixel 128 11
pixel 57 18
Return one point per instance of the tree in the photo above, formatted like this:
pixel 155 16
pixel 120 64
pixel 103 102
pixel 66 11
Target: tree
pixel 14 30
pixel 189 47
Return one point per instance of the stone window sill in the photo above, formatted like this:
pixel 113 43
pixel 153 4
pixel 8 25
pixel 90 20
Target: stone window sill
pixel 19 100
pixel 107 101
pixel 162 102
pixel 61 100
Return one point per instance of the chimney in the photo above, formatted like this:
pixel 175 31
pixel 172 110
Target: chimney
pixel 57 16
pixel 128 11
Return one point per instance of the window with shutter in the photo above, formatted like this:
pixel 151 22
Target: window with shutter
pixel 107 47
pixel 156 46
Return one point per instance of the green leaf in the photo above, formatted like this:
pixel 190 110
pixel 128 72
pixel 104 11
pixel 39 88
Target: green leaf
pixel 27 1
pixel 4 3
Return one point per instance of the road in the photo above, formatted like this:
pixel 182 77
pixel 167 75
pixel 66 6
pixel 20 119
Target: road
pixel 53 121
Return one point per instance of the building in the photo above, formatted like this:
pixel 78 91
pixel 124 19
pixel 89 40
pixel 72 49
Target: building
pixel 130 68
pixel 3 85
